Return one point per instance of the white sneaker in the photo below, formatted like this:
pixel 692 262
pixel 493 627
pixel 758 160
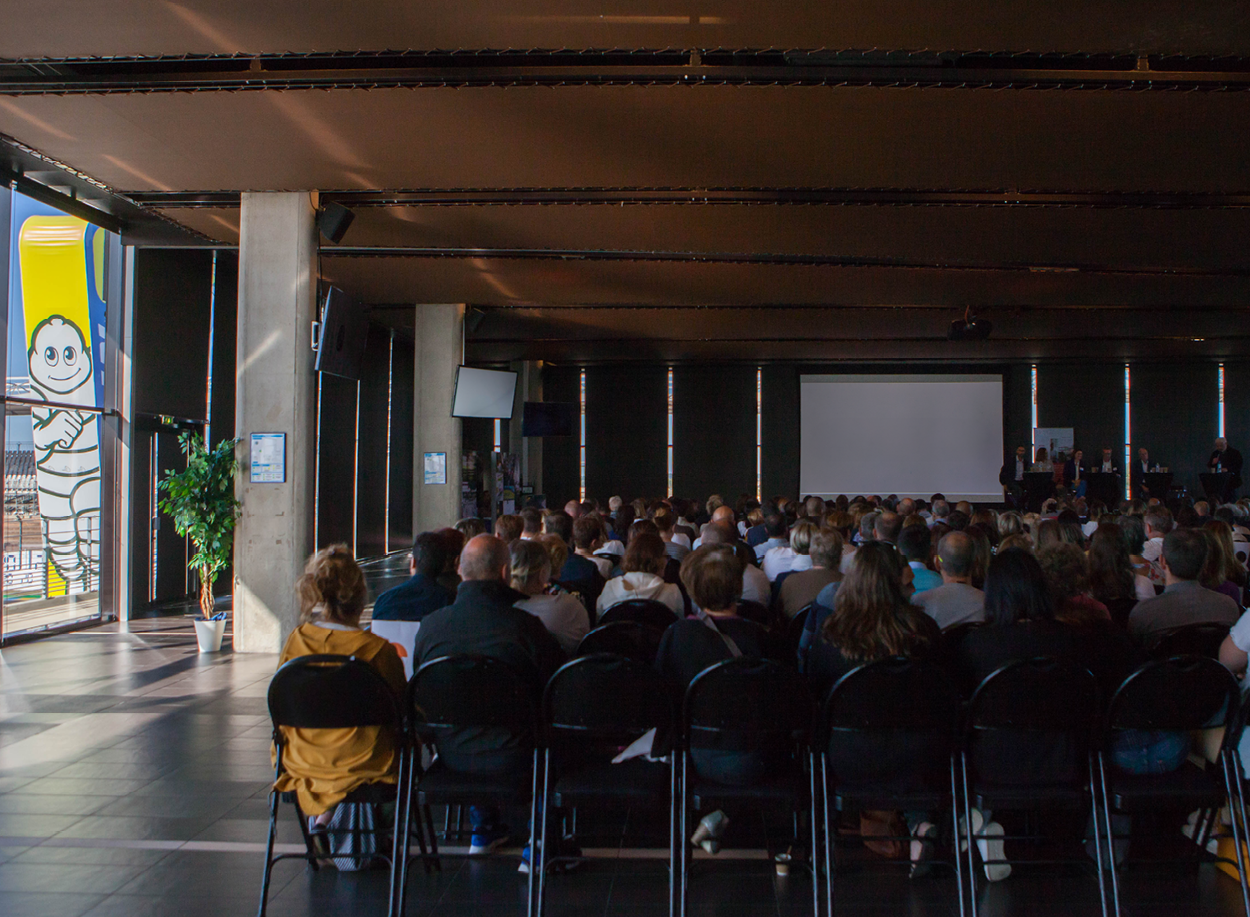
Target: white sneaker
pixel 993 850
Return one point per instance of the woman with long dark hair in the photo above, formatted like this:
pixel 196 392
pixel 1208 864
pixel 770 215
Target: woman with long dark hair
pixel 1112 578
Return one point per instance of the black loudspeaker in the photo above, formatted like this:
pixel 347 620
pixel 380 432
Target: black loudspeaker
pixel 333 220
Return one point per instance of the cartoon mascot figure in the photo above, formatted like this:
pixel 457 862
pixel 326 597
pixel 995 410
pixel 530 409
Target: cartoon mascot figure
pixel 67 450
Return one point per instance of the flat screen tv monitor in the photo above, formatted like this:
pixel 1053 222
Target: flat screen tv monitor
pixel 344 333
pixel 483 393
pixel 549 418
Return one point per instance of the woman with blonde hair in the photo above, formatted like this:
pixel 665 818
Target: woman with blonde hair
pixel 563 615
pixel 323 766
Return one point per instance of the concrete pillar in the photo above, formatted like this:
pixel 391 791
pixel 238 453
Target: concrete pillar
pixel 529 387
pixel 276 393
pixel 438 351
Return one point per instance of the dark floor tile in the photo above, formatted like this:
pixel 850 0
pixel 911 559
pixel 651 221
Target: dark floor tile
pixel 9 784
pixel 165 829
pixel 25 904
pixel 33 804
pixel 164 906
pixel 13 825
pixel 21 876
pixel 50 852
pixel 57 785
pixel 105 771
pixel 185 806
pixel 185 874
pixel 226 789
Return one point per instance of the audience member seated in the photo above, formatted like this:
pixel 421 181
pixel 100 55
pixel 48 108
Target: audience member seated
pixel 915 543
pixel 956 601
pixel 778 534
pixel 801 587
pixel 643 577
pixel 531 523
pixel 578 572
pixel 1184 600
pixel 508 528
pixel 1158 522
pixel 588 537
pixel 1066 574
pixel 470 527
pixel 664 522
pixel 485 621
pixel 322 766
pixel 792 557
pixel 754 584
pixel 1222 571
pixel 887 526
pixel 563 615
pixel 421 594
pixel 712 575
pixel 1112 579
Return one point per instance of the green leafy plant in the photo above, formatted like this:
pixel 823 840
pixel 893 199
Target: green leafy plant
pixel 201 503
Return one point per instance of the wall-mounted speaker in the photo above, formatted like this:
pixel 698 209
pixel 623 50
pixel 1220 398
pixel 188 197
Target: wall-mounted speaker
pixel 333 220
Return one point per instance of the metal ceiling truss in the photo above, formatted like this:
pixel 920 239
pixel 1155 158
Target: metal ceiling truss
pixel 395 69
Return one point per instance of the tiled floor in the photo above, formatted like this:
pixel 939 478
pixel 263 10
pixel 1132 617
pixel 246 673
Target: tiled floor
pixel 133 779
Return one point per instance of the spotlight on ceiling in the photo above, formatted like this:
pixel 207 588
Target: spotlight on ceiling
pixel 333 220
pixel 969 328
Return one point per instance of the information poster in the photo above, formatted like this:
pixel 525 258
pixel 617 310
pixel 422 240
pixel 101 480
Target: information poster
pixel 268 458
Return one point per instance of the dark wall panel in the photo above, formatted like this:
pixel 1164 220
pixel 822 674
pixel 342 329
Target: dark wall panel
pixel 225 349
pixel 402 468
pixel 561 474
pixel 173 298
pixel 1174 415
pixel 1089 397
pixel 140 518
pixel 713 431
pixel 1017 407
pixel 780 431
pixel 626 431
pixel 336 457
pixel 371 477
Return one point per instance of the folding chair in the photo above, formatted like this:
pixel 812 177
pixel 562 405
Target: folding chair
pixel 647 612
pixel 624 638
pixel 592 707
pixel 1190 640
pixel 1181 694
pixel 332 692
pixel 886 738
pixel 1044 712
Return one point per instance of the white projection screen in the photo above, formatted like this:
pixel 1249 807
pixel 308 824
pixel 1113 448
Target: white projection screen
pixel 913 436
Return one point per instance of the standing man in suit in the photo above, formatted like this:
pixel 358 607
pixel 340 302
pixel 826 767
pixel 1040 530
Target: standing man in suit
pixel 1227 459
pixel 1074 472
pixel 1012 477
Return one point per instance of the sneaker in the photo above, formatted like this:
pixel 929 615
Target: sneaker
pixel 488 842
pixel 991 849
pixel 567 857
pixel 922 849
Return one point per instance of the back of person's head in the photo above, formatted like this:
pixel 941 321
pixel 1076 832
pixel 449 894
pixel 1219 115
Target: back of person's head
pixel 1070 523
pixel 1021 540
pixel 531 521
pixel 470 527
pixel 1111 574
pixel 714 502
pixel 573 508
pixel 332 587
pixel 1185 552
pixel 1224 553
pixel 1134 531
pixel 718 533
pixel 958 520
pixel 826 549
pixel 868 525
pixel 1159 519
pixel 941 509
pixel 775 525
pixel 723 514
pixel 906 507
pixel 453 543
pixel 556 549
pixel 587 532
pixel 614 503
pixel 1063 565
pixel 984 530
pixel 965 507
pixel 1225 514
pixel 755 517
pixel 887 527
pixel 645 554
pixel 641 527
pixel 814 507
pixel 712 574
pixel 1016 590
pixel 589 506
pixel 915 542
pixel 508 528
pixel 1010 524
pixel 625 517
pixel 1051 532
pixel 429 554
pixel 530 562
pixel 871 616
pixel 663 519
pixel 1212 574
pixel 801 535
pixel 485 557
pixel 842 521
pixel 559 523
pixel 956 553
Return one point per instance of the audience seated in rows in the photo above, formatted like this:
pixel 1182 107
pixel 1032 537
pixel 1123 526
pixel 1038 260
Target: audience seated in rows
pixel 642 577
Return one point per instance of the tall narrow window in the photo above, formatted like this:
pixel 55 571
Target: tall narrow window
pixel 1221 433
pixel 759 438
pixel 581 456
pixel 670 431
pixel 498 435
pixel 1033 415
pixel 356 473
pixel 212 328
pixel 390 390
pixel 1128 433
pixel 317 474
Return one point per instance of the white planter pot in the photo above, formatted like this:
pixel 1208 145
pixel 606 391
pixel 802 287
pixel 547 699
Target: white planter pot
pixel 208 635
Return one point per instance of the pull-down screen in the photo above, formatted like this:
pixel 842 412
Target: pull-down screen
pixel 908 435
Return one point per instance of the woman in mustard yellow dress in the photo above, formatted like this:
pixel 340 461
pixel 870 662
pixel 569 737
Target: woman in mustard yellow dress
pixel 322 766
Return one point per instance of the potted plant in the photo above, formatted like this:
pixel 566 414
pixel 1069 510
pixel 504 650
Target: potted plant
pixel 201 502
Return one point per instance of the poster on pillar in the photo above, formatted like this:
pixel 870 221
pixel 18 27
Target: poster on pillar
pixel 55 389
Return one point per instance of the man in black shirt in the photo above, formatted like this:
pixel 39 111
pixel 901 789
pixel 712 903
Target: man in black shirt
pixel 421 594
pixel 1226 458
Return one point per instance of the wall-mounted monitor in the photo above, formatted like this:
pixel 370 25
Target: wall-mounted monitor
pixel 549 418
pixel 344 332
pixel 483 393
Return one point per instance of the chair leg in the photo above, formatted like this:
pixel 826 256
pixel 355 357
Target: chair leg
pixel 811 817
pixel 399 839
pixel 1232 787
pixel 830 833
pixel 274 796
pixel 959 860
pixel 674 848
pixel 968 832
pixel 1104 791
pixel 538 853
pixel 535 857
pixel 682 834
pixel 1093 802
pixel 429 823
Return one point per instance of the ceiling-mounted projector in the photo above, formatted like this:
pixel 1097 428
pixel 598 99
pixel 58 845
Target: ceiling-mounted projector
pixel 969 328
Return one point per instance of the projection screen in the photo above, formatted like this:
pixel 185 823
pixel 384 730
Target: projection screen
pixel 913 435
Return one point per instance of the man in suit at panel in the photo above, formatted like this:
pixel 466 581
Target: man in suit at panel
pixel 1225 458
pixel 1108 465
pixel 1141 467
pixel 1074 472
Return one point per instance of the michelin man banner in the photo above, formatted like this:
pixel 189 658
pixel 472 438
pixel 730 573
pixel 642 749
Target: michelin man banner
pixel 56 355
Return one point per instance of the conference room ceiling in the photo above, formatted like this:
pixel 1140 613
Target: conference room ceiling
pixel 727 181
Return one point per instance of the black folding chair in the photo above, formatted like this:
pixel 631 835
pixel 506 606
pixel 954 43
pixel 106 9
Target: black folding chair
pixel 754 611
pixel 647 612
pixel 332 692
pixel 752 706
pixel 624 638
pixel 794 632
pixel 1190 640
pixel 592 707
pixel 468 692
pixel 886 738
pixel 1180 694
pixel 1028 743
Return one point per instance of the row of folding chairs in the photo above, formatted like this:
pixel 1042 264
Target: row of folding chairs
pixel 926 749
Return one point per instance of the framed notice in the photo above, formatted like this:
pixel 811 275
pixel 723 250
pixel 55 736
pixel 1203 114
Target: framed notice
pixel 268 456
pixel 436 468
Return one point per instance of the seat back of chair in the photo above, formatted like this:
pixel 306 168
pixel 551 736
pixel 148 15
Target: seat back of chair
pixel 746 703
pixel 1190 640
pixel 606 696
pixel 331 692
pixel 647 612
pixel 624 638
pixel 1180 693
pixel 464 691
pixel 400 634
pixel 794 629
pixel 754 611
